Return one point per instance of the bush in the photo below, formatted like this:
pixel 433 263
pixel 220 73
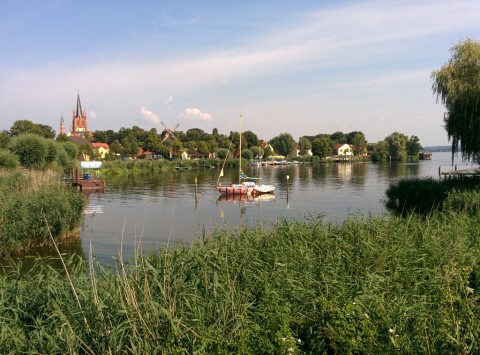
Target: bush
pixel 8 159
pixel 31 150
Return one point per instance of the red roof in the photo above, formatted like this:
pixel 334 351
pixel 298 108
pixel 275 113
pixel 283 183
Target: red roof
pixel 100 145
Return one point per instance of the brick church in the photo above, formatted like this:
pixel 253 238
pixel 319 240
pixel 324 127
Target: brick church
pixel 79 122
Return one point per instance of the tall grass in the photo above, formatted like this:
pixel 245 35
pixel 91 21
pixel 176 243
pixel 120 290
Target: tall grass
pixel 371 285
pixel 31 201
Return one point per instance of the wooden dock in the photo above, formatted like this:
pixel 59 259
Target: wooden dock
pixel 87 183
pixel 473 172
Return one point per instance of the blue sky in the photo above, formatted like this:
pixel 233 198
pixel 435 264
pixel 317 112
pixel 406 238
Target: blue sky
pixel 302 67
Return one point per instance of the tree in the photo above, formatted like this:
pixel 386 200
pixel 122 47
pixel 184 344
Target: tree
pixel 250 138
pixel 222 153
pixel 71 149
pixel 31 150
pixel 413 146
pixel 283 144
pixel 338 137
pixel 322 147
pixel 267 152
pixel 25 126
pixel 305 145
pixel 359 143
pixel 397 146
pixel 257 151
pixel 116 147
pixel 380 151
pixel 247 154
pixel 4 139
pixel 457 85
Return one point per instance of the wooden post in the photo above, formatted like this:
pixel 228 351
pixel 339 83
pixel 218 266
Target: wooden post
pixel 196 187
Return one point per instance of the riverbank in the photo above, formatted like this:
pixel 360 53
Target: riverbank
pixel 387 284
pixel 36 206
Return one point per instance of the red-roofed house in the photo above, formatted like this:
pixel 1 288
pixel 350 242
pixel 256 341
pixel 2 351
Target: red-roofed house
pixel 101 149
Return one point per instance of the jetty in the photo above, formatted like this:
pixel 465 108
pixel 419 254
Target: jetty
pixel 473 172
pixel 84 180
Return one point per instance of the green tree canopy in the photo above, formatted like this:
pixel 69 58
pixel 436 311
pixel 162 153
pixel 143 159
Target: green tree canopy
pixel 413 146
pixel 25 126
pixel 31 150
pixel 283 144
pixel 357 139
pixel 322 147
pixel 457 85
pixel 305 145
pixel 397 146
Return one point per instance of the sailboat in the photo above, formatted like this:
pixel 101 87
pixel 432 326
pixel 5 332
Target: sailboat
pixel 242 187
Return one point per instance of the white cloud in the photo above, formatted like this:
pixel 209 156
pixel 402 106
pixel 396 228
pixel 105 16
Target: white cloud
pixel 195 114
pixel 149 115
pixel 92 115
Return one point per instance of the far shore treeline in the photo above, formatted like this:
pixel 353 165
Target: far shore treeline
pixel 137 143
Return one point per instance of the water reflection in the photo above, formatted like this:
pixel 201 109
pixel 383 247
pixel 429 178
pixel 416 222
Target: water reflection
pixel 176 206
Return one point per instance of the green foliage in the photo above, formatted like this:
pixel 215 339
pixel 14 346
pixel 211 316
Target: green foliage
pixel 380 151
pixel 413 146
pixel 71 149
pixel 457 85
pixel 247 154
pixel 31 150
pixel 397 146
pixel 305 145
pixel 385 284
pixel 257 152
pixel 283 144
pixel 322 147
pixel 222 153
pixel 8 159
pixel 32 205
pixel 425 196
pixel 4 139
pixel 21 127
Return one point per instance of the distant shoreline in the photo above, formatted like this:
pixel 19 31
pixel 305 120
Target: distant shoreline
pixel 438 148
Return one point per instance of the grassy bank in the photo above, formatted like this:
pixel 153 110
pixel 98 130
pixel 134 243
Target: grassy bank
pixel 374 285
pixel 35 204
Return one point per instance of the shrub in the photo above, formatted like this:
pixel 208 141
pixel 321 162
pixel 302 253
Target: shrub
pixel 8 159
pixel 31 150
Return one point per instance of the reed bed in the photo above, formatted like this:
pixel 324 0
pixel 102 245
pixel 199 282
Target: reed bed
pixel 370 285
pixel 31 201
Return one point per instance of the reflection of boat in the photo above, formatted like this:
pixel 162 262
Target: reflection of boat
pixel 245 187
pixel 235 198
pixel 265 197
pixel 246 199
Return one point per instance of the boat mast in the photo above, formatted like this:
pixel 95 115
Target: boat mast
pixel 240 149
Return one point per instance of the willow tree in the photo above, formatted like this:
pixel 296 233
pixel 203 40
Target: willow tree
pixel 457 85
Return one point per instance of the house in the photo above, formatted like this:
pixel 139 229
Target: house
pixel 344 149
pixel 79 141
pixel 102 149
pixel 296 152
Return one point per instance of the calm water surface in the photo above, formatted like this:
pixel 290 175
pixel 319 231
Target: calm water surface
pixel 154 210
pixel 163 209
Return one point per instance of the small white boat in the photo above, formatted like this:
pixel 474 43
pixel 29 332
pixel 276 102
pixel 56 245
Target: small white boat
pixel 263 189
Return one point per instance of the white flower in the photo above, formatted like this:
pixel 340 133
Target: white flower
pixel 391 330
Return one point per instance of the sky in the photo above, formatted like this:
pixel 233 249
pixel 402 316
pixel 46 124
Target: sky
pixel 300 67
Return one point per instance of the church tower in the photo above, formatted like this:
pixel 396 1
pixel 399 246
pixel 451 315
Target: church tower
pixel 79 122
pixel 62 125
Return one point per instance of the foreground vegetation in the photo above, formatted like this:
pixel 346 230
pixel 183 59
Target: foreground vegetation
pixel 35 207
pixel 378 284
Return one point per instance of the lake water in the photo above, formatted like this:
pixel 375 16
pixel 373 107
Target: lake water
pixel 164 209
pixel 154 210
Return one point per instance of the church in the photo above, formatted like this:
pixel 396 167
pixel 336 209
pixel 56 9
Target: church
pixel 79 122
